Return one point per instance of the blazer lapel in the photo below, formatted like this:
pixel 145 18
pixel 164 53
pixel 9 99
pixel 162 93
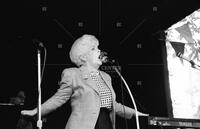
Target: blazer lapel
pixel 92 84
pixel 106 80
pixel 88 80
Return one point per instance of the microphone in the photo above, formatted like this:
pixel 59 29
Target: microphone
pixel 180 55
pixel 38 43
pixel 104 58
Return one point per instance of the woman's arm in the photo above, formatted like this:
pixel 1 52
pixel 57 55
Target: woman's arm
pixel 126 112
pixel 62 95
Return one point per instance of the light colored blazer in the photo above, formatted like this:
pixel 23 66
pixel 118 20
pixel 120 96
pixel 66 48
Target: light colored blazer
pixel 81 90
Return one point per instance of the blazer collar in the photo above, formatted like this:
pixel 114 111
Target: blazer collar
pixel 85 74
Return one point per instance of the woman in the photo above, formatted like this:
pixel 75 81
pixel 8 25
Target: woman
pixel 89 90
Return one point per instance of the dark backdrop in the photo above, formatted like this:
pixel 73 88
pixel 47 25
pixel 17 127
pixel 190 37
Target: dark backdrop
pixel 130 31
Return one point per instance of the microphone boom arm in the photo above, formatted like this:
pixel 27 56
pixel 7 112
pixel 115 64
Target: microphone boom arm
pixel 133 101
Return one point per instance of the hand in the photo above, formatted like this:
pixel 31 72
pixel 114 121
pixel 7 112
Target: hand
pixel 142 114
pixel 29 112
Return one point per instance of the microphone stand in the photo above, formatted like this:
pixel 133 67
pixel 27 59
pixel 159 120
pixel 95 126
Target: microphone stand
pixel 39 122
pixel 133 101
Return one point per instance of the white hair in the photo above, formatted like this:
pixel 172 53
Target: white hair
pixel 82 46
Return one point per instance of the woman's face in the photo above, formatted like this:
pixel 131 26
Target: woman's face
pixel 93 56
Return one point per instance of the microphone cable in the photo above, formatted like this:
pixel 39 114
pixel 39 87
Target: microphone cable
pixel 44 62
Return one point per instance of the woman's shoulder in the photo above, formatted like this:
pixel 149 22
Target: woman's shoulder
pixel 70 70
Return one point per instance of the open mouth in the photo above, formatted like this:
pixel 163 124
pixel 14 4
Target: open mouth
pixel 103 56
